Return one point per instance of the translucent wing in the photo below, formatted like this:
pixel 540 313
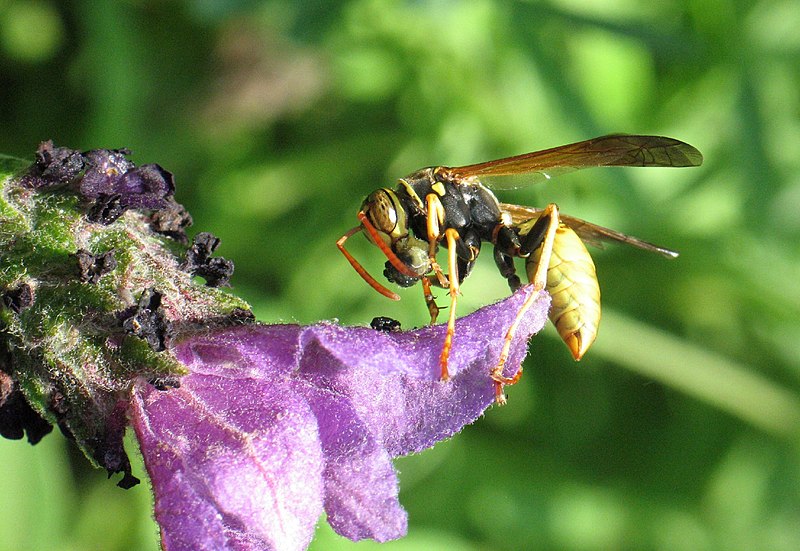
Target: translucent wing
pixel 611 150
pixel 590 233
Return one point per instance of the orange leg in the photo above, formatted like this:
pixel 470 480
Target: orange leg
pixel 539 281
pixel 430 300
pixel 452 236
pixel 436 216
pixel 360 269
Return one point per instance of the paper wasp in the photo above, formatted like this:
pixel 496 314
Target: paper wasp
pixel 455 207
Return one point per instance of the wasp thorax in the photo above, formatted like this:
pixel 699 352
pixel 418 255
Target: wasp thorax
pixel 384 211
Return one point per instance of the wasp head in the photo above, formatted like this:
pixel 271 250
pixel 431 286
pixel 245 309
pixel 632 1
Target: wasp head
pixel 384 219
pixel 387 215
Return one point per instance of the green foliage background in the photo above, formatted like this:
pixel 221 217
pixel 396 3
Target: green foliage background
pixel 680 428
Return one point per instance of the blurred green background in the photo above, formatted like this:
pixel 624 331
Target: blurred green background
pixel 679 430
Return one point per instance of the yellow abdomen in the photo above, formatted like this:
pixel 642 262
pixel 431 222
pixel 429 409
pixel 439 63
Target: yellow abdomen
pixel 572 284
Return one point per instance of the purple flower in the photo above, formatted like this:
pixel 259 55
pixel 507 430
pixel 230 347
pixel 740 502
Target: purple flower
pixel 54 166
pixel 275 423
pixel 109 173
pixel 108 178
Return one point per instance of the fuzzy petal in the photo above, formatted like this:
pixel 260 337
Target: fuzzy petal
pixel 275 420
pixel 393 378
pixel 389 401
pixel 235 464
pixel 361 485
pixel 145 186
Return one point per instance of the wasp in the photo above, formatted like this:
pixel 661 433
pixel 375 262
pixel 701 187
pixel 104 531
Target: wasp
pixel 455 207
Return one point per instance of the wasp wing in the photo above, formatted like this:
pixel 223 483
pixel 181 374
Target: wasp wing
pixel 610 150
pixel 595 235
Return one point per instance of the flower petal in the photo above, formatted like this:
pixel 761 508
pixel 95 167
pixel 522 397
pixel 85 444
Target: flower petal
pixel 272 419
pixel 110 173
pixel 234 463
pixel 360 481
pixel 145 186
pixel 392 378
pixel 378 395
pixel 267 352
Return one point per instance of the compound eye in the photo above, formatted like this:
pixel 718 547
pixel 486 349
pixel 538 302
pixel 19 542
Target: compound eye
pixel 381 210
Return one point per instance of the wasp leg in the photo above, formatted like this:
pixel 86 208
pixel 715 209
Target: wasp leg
pixel 545 228
pixel 430 300
pixel 452 237
pixel 435 218
pixel 505 265
pixel 506 247
pixel 543 233
pixel 468 247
